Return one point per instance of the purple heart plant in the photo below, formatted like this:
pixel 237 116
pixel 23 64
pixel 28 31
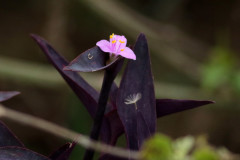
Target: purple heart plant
pixel 130 108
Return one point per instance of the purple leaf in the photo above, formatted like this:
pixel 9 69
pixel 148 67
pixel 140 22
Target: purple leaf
pixel 142 129
pixel 87 94
pixel 5 95
pixel 18 153
pixel 169 106
pixel 163 107
pixel 89 61
pixel 63 152
pixel 137 80
pixel 112 127
pixel 7 138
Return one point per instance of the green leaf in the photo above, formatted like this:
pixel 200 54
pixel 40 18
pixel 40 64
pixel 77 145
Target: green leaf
pixel 205 154
pixel 182 147
pixel 159 147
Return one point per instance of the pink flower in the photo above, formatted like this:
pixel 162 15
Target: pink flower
pixel 116 46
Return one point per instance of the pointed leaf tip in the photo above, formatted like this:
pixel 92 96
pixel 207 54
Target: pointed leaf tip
pixel 36 37
pixel 142 36
pixel 63 153
pixel 170 106
pixel 87 94
pixel 7 137
pixel 5 95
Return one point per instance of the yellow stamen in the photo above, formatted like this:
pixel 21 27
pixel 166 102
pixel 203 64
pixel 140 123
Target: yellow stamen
pixel 114 41
pixel 121 49
pixel 111 36
pixel 121 41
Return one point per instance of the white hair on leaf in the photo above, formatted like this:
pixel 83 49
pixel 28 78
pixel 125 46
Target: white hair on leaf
pixel 133 98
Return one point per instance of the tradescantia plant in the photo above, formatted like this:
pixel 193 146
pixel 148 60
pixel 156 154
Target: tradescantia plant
pixel 130 108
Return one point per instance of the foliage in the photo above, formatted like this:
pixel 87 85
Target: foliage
pixel 115 109
pixel 158 147
pixel 187 148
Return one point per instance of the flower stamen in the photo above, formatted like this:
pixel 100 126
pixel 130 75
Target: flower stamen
pixel 121 41
pixel 111 36
pixel 116 46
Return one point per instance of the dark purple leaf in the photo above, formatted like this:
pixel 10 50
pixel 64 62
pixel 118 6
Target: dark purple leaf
pixel 7 138
pixel 63 153
pixel 87 94
pixel 137 79
pixel 163 107
pixel 18 153
pixel 5 95
pixel 89 61
pixel 142 129
pixel 169 106
pixel 112 127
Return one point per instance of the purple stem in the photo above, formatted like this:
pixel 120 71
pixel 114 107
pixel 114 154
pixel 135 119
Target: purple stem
pixel 102 103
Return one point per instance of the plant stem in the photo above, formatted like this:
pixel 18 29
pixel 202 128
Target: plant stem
pixel 102 103
pixel 65 133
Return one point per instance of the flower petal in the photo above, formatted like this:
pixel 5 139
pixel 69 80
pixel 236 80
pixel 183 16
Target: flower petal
pixel 104 45
pixel 128 53
pixel 123 39
pixel 122 42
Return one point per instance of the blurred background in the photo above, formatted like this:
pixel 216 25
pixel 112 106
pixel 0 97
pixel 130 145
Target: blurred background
pixel 194 48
